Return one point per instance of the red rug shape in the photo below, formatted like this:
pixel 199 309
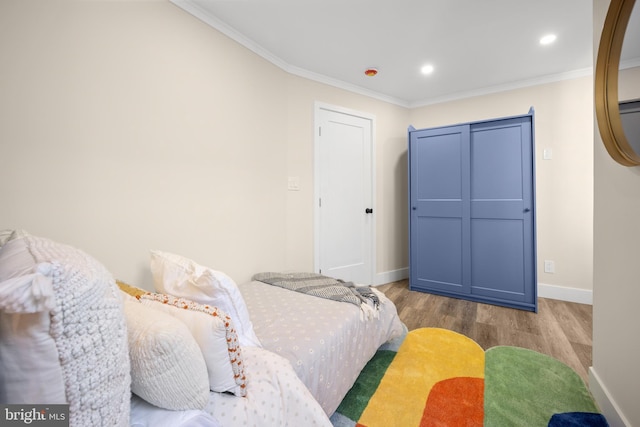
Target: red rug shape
pixel 465 394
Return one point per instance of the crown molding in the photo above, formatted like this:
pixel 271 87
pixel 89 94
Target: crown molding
pixel 192 7
pixel 552 78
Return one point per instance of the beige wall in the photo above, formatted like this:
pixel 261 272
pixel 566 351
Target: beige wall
pixel 133 125
pixel 629 84
pixel 616 348
pixel 564 184
pixel 127 126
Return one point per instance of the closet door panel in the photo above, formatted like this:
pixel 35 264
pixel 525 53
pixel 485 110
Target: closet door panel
pixel 439 165
pixel 501 210
pixel 439 264
pixel 497 261
pixel 496 161
pixel 439 175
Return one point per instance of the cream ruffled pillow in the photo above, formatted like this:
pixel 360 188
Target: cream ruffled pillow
pixel 181 277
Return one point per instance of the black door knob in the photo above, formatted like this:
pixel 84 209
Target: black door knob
pixel 368 210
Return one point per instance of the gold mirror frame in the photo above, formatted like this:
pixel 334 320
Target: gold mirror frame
pixel 606 84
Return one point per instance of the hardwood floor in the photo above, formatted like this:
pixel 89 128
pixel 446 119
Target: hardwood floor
pixel 560 329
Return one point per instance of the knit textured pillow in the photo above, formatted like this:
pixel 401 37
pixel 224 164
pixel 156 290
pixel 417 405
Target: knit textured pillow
pixel 167 366
pixel 63 332
pixel 214 332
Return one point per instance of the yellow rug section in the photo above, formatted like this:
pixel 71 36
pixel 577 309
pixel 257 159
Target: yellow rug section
pixel 409 380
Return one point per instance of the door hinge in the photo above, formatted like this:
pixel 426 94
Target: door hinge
pixel 320 202
pixel 319 130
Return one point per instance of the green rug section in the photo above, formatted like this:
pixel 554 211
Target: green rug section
pixel 526 388
pixel 358 397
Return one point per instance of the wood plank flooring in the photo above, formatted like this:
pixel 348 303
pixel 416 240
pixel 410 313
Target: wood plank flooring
pixel 560 329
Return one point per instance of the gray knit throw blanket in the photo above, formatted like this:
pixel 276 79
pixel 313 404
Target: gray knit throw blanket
pixel 323 287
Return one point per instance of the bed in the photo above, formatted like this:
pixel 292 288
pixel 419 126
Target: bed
pixel 327 342
pixel 318 346
pixel 302 353
pixel 248 354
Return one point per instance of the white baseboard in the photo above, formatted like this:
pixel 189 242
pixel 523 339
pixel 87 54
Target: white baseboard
pixel 391 276
pixel 605 402
pixel 582 296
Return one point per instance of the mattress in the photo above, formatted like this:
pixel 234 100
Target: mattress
pixel 327 342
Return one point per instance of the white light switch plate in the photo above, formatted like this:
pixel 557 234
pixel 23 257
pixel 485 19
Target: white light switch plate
pixel 293 183
pixel 549 266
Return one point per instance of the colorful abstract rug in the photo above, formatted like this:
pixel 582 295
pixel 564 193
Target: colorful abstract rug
pixel 437 377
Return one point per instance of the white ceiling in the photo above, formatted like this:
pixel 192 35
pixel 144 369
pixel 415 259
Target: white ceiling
pixel 476 46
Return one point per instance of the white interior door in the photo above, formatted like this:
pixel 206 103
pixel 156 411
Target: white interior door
pixel 344 189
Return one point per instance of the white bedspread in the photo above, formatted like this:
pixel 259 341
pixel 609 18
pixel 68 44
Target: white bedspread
pixel 326 341
pixel 275 396
pixel 144 414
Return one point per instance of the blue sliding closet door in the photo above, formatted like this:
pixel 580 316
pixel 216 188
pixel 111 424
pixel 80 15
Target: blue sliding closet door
pixel 440 209
pixel 472 216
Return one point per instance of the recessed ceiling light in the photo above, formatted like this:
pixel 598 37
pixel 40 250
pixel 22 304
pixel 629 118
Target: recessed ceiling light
pixel 371 72
pixel 427 69
pixel 548 39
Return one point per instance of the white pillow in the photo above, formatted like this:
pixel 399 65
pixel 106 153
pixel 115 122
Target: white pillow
pixel 26 299
pixel 214 332
pixel 167 367
pixel 27 347
pixel 182 277
pixel 63 331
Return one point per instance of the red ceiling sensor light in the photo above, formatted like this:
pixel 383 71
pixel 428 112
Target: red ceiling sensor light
pixel 371 72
